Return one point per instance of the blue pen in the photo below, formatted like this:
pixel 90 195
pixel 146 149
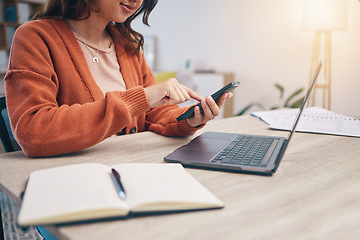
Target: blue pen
pixel 118 184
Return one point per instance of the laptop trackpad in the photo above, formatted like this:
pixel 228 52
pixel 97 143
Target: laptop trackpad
pixel 206 145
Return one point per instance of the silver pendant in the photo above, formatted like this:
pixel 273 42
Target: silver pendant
pixel 95 60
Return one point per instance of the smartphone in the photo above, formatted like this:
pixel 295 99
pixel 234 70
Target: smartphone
pixel 189 113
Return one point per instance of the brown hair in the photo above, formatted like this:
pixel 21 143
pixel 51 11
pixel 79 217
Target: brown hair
pixel 77 9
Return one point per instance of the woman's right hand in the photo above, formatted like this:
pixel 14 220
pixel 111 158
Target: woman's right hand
pixel 169 92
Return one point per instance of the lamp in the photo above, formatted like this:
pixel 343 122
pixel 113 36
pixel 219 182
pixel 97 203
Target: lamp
pixel 323 17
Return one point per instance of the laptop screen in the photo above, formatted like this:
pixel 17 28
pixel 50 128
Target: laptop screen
pixel 314 78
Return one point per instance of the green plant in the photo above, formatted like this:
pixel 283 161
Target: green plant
pixel 289 102
pixel 245 109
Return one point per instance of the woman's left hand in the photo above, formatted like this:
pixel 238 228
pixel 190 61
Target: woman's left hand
pixel 211 109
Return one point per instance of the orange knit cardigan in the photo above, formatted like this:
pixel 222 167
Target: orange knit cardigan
pixel 56 107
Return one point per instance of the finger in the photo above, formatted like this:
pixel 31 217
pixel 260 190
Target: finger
pixel 213 106
pixel 184 92
pixel 173 93
pixel 176 92
pixel 196 120
pixel 208 115
pixel 193 94
pixel 197 115
pixel 183 95
pixel 220 102
pixel 165 100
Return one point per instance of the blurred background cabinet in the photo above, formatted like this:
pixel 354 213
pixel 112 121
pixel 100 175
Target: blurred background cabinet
pixel 13 13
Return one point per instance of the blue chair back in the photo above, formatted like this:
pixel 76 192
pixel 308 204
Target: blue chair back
pixel 6 134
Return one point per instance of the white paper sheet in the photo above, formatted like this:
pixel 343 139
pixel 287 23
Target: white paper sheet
pixel 313 120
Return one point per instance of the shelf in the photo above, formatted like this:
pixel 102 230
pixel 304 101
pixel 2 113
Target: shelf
pixel 7 23
pixel 37 2
pixel 14 13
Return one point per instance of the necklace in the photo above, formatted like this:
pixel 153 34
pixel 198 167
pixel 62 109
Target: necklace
pixel 95 58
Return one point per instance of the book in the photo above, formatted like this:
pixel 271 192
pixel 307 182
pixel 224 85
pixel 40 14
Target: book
pixel 81 192
pixel 313 120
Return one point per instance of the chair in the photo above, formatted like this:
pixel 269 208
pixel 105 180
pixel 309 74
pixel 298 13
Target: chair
pixel 6 135
pixel 8 141
pixel 10 145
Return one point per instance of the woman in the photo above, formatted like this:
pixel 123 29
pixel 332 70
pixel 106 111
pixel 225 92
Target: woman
pixel 77 76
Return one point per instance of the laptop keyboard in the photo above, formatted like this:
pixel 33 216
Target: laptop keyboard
pixel 247 150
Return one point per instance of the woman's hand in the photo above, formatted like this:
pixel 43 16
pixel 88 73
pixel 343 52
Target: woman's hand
pixel 169 92
pixel 211 109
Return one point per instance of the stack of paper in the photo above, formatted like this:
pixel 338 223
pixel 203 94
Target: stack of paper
pixel 313 120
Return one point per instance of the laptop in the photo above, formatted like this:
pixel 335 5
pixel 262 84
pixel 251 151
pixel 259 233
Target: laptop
pixel 254 154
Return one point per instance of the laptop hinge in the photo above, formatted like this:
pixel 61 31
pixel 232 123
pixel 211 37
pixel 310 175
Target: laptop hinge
pixel 282 152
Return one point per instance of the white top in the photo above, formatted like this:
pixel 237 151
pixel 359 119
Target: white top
pixel 106 71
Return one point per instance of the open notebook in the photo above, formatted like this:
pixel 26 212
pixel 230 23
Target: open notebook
pixel 83 192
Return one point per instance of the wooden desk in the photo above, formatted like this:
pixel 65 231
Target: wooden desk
pixel 315 194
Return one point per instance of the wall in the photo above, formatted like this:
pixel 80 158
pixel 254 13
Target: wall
pixel 260 41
